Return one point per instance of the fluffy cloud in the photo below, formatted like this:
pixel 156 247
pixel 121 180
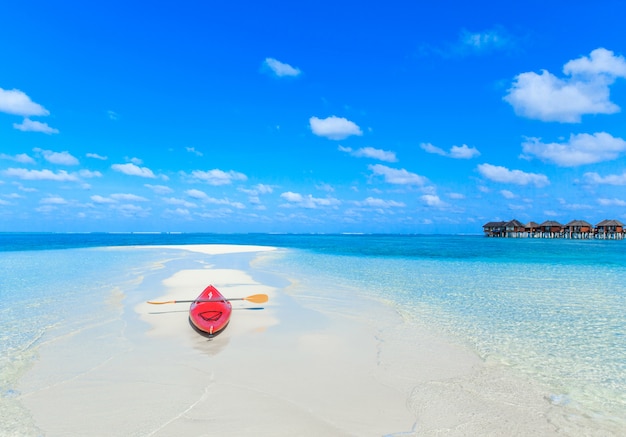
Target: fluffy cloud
pixel 397 176
pixel 308 201
pixel 114 198
pixel 517 177
pixel 258 189
pixel 380 203
pixel 133 170
pixel 96 156
pixel 197 194
pixel 456 152
pixel 334 128
pixel 60 158
pixel 579 150
pixel 182 202
pixel 281 69
pixel 53 200
pixel 41 175
pixel 22 158
pixel 159 189
pixel 201 195
pixel 101 200
pixel 586 90
pixel 18 103
pixel 595 178
pixel 218 177
pixel 433 200
pixel 370 152
pixel 29 125
pixel 612 202
pixel 507 194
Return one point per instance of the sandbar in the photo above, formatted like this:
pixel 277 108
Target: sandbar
pixel 307 364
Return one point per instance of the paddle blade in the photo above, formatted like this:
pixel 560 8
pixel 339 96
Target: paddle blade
pixel 257 298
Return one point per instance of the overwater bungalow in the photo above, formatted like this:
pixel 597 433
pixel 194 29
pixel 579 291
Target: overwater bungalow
pixel 531 229
pixel 514 229
pixel 575 229
pixel 551 229
pixel 494 229
pixel 578 229
pixel 610 229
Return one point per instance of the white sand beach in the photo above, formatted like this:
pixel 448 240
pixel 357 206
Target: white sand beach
pixel 304 365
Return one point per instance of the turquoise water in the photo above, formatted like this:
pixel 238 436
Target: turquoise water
pixel 552 310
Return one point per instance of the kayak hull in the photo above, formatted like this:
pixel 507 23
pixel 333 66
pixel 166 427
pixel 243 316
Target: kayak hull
pixel 212 317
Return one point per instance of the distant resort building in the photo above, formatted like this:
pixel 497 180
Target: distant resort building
pixel 576 229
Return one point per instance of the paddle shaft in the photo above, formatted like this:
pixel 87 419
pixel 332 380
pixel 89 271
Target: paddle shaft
pixel 256 298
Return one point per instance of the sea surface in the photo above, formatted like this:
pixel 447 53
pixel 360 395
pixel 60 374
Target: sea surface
pixel 551 310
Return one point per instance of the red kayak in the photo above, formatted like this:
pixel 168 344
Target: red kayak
pixel 210 312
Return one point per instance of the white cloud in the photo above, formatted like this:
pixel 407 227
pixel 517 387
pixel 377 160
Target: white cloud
pixel 53 200
pixel 433 200
pixel 430 148
pixel 456 196
pixel 29 125
pixel 96 156
pixel 281 69
pixel 196 194
pixel 325 187
pixel 194 151
pixel 258 189
pixel 21 158
pixel 517 177
pixel 18 103
pixel 182 212
pixel 113 115
pixel 612 202
pixel 308 201
pixel 484 41
pixel 579 150
pixel 456 152
pixel 595 178
pixel 89 174
pixel 60 158
pixel 463 152
pixel 380 203
pixel 507 194
pixel 263 189
pixel 600 62
pixel 397 176
pixel 133 170
pixel 201 195
pixel 128 197
pixel 101 200
pixel 41 175
pixel 182 202
pixel 549 98
pixel 334 128
pixel 129 210
pixel 370 152
pixel 114 198
pixel 159 189
pixel 218 177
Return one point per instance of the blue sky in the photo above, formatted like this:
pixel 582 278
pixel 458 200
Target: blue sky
pixel 413 117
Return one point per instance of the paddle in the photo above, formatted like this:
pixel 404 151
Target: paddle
pixel 256 298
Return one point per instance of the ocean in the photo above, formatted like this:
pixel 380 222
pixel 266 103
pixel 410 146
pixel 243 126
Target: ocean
pixel 550 310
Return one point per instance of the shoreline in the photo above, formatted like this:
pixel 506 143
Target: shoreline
pixel 290 369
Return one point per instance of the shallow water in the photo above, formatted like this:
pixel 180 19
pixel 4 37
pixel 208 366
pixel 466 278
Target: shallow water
pixel 550 310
